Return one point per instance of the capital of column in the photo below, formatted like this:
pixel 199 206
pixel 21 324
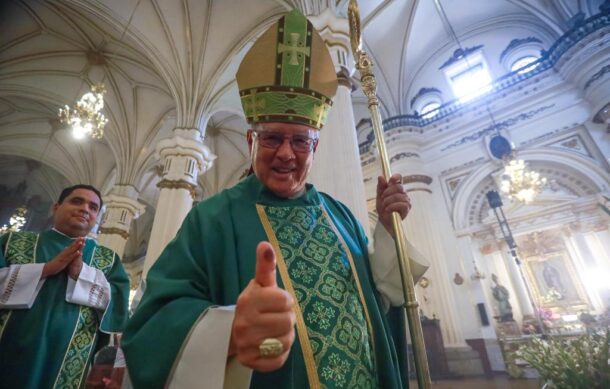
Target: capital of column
pixel 121 208
pixel 335 32
pixel 413 183
pixel 184 157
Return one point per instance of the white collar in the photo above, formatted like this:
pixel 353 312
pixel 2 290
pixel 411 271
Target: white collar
pixel 67 236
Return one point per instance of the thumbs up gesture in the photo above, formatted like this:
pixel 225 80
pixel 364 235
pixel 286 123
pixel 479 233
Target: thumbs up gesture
pixel 264 313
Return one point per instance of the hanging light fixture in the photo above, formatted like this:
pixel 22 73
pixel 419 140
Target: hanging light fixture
pixel 16 222
pixel 520 183
pixel 86 118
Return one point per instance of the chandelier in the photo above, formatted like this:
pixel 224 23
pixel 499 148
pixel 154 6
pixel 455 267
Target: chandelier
pixel 86 117
pixel 520 183
pixel 16 222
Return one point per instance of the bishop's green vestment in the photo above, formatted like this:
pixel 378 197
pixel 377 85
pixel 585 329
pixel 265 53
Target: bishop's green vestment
pixel 50 345
pixel 343 339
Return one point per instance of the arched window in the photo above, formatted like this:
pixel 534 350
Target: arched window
pixel 429 110
pixel 426 101
pixel 520 53
pixel 521 65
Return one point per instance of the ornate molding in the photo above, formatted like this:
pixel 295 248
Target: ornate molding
pixel 113 231
pixel 458 54
pixel 402 155
pixel 419 190
pixel 518 42
pixel 186 143
pixel 344 79
pixel 417 178
pixel 178 184
pixel 494 127
pixel 423 91
pixel 599 74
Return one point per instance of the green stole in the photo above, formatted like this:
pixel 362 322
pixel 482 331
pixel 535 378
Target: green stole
pixel 333 323
pixel 76 350
pixel 212 259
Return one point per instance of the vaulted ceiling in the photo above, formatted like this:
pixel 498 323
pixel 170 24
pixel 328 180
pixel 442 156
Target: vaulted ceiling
pixel 170 64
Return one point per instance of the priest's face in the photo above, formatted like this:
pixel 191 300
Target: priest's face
pixel 76 215
pixel 282 154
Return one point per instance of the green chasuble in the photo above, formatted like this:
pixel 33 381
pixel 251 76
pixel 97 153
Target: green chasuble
pixel 51 344
pixel 343 339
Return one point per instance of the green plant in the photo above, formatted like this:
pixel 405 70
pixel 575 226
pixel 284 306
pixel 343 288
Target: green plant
pixel 575 363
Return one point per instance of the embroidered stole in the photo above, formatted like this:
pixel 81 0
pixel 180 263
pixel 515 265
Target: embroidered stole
pixel 21 249
pixel 333 324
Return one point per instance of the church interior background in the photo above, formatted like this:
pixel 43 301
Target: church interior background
pixel 468 89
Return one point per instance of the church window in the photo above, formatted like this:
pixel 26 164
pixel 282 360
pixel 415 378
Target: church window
pixel 521 65
pixel 469 77
pixel 426 101
pixel 429 110
pixel 520 53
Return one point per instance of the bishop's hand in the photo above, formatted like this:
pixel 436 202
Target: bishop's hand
pixel 264 313
pixel 391 197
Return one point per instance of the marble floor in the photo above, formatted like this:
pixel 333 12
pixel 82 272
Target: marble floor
pixel 484 383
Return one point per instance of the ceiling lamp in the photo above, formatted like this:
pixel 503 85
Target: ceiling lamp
pixel 16 222
pixel 520 183
pixel 86 117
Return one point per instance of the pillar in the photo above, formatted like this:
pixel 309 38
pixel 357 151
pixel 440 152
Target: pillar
pixel 122 207
pixel 425 233
pixel 336 169
pixel 183 157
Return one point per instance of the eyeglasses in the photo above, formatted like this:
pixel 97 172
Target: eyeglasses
pixel 273 140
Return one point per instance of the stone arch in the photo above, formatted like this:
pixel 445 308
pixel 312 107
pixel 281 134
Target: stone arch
pixel 573 174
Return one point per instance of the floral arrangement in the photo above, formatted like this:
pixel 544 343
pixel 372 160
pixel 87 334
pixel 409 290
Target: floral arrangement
pixel 576 363
pixel 547 317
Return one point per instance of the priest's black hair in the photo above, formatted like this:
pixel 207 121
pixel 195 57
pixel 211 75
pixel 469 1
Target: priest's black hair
pixel 66 192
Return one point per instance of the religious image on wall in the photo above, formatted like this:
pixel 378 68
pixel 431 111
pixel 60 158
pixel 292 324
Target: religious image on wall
pixel 551 271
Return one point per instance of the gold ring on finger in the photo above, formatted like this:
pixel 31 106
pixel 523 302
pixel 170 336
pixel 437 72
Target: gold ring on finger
pixel 270 348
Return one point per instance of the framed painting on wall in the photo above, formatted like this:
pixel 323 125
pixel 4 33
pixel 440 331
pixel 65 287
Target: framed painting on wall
pixel 555 281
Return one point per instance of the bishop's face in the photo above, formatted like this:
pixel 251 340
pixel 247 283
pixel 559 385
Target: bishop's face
pixel 282 154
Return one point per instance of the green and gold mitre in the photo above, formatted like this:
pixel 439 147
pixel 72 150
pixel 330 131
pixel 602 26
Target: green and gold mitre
pixel 288 75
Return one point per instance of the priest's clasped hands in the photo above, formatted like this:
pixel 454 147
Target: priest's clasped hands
pixel 263 328
pixel 70 259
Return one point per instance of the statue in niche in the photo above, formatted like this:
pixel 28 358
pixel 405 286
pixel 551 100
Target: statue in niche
pixel 501 295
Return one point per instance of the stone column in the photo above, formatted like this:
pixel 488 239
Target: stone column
pixel 336 169
pixel 586 261
pixel 475 272
pixel 183 158
pixel 122 207
pixel 424 231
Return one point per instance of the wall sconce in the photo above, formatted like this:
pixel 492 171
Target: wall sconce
pixel 458 279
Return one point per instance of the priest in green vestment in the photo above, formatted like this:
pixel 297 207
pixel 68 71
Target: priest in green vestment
pixel 270 284
pixel 60 292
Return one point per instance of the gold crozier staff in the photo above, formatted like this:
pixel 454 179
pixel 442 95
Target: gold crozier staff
pixel 369 87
